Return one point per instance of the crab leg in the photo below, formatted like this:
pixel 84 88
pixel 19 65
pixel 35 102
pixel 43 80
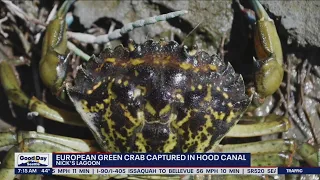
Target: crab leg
pixel 308 153
pixel 279 124
pixel 269 70
pixel 54 53
pixel 14 138
pixel 305 150
pixel 272 124
pixel 273 159
pixel 276 145
pixel 10 84
pixel 266 153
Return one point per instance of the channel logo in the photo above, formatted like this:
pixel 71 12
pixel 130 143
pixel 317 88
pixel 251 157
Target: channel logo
pixel 33 159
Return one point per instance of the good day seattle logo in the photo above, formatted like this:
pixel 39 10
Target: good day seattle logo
pixel 33 160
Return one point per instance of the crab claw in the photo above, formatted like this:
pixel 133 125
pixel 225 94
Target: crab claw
pixel 53 64
pixel 269 70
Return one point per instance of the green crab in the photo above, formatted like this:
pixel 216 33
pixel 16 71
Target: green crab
pixel 154 97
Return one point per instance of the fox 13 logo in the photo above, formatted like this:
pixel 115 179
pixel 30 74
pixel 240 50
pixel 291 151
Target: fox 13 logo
pixel 33 160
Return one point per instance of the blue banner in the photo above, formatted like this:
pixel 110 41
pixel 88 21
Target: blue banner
pixel 299 170
pixel 151 160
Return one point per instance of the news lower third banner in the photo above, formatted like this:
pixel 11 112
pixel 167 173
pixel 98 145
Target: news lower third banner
pixel 145 163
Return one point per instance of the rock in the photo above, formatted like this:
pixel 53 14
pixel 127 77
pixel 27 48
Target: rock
pixel 215 18
pixel 123 12
pixel 300 18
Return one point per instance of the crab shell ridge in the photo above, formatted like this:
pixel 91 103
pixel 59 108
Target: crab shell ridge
pixel 157 97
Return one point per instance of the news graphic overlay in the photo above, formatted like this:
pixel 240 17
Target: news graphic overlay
pixel 33 163
pixel 147 164
pixel 152 160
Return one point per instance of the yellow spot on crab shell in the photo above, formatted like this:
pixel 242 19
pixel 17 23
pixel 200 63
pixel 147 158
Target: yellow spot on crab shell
pixel 107 101
pixel 140 116
pixel 128 115
pixel 97 85
pixel 218 116
pixel 100 106
pixel 177 125
pixel 212 67
pixel 165 110
pixel 136 61
pixel 185 66
pixel 166 60
pixel 222 115
pixel 192 52
pixel 172 117
pixel 208 96
pixel 225 95
pixel 180 97
pixel 231 116
pixel 131 47
pixel 89 91
pixel 124 64
pixel 110 60
pixel 84 104
pixel 156 61
pixel 178 90
pixel 196 69
pixel 199 86
pixel 141 142
pixel 170 143
pixel 150 109
pixel 125 83
pixel 230 104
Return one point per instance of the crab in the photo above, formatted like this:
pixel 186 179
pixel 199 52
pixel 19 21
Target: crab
pixel 155 97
